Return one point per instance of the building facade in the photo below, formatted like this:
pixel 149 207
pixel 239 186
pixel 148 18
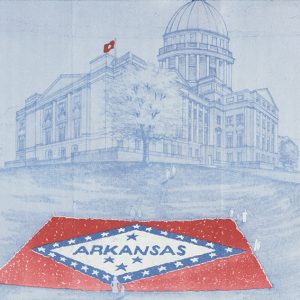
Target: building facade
pixel 68 122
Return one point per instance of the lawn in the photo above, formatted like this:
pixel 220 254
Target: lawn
pixel 30 196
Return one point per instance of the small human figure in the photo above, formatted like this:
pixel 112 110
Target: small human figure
pixel 168 174
pixel 173 171
pixel 244 216
pixel 256 245
pixel 115 285
pixel 139 213
pixel 231 213
pixel 132 213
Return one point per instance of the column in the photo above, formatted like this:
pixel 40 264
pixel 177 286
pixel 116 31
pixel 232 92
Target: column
pixel 54 121
pixel 218 68
pixel 207 65
pixel 176 63
pixel 69 120
pixel 198 66
pixel 187 67
pixel 225 72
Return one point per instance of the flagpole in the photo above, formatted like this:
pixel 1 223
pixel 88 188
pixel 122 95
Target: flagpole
pixel 105 101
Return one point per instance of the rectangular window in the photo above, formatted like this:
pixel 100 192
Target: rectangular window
pixel 181 65
pixel 179 150
pixel 229 140
pixel 48 135
pixel 219 137
pixel 240 139
pixel 190 152
pixel 61 132
pixel 230 100
pixel 258 141
pixel 214 41
pixel 204 38
pixel 197 153
pixel 218 156
pixel 222 43
pixel 193 37
pixel 229 157
pixel 76 129
pixel 63 153
pixel 165 148
pixel 239 156
pixel 21 142
pixel 205 136
pixel 229 120
pixel 182 38
pixel 218 120
pixel 240 119
pixel 192 67
pixel 240 97
pixel 137 144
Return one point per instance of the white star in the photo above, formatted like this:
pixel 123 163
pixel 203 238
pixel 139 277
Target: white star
pixel 178 264
pixel 162 268
pixel 72 241
pixel 137 226
pixel 228 249
pixel 211 245
pixel 127 277
pixel 212 255
pixel 194 259
pixel 74 264
pixel 148 229
pixel 55 245
pixel 41 249
pixel 106 276
pixel 194 241
pixel 104 234
pixel 145 273
pixel 63 259
pixel 95 272
pixel 84 268
pixel 88 238
pixel 181 237
pixel 164 233
pixel 51 254
pixel 121 230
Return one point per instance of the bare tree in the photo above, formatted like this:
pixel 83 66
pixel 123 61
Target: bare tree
pixel 145 104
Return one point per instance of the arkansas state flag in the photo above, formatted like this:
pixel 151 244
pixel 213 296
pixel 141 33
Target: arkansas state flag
pixel 90 254
pixel 109 46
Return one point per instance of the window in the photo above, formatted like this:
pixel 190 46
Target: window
pixel 76 129
pixel 197 153
pixel 229 140
pixel 258 120
pixel 240 97
pixel 204 38
pixel 239 156
pixel 257 157
pixel 239 119
pixel 48 135
pixel 63 153
pixel 179 150
pixel 273 129
pixel 263 143
pixel 165 148
pixel 190 152
pixel 137 145
pixel 74 149
pixel 192 67
pixel 49 154
pixel 219 138
pixel 214 41
pixel 61 132
pixel 173 149
pixel 21 142
pixel 222 43
pixel 230 100
pixel 172 62
pixel 240 139
pixel 218 156
pixel 264 123
pixel 218 120
pixel 182 38
pixel 257 141
pixel 62 110
pixel 120 143
pixel 229 120
pixel 193 37
pixel 268 126
pixel 205 136
pixel 268 144
pixel 181 65
pixel 229 157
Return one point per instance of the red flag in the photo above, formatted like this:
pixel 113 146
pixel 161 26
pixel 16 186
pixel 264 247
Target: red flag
pixel 89 254
pixel 109 46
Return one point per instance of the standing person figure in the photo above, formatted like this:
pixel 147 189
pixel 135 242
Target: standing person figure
pixel 244 216
pixel 173 171
pixel 256 245
pixel 231 213
pixel 115 285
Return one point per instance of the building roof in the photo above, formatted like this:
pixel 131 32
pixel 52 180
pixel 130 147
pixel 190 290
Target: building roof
pixel 197 15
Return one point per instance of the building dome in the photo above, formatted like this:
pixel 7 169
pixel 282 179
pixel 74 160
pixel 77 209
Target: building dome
pixel 197 15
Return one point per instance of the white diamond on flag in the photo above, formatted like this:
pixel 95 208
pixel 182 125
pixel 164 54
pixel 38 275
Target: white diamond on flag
pixel 133 252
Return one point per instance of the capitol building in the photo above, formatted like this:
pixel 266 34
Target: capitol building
pixel 221 127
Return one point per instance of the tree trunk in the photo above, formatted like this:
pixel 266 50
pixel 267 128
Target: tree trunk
pixel 145 151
